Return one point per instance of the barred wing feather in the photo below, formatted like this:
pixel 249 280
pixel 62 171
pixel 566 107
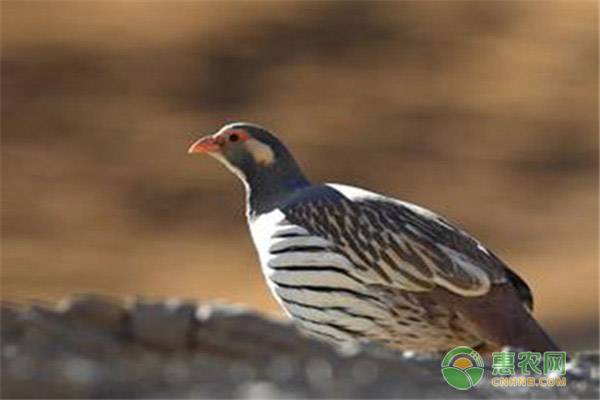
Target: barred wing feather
pixel 394 243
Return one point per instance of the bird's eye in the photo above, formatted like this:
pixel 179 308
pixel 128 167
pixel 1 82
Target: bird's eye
pixel 234 137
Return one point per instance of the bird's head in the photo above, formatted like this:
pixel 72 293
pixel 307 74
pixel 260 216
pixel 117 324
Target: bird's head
pixel 251 152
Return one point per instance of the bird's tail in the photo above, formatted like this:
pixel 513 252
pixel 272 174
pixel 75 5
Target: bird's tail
pixel 530 335
pixel 500 319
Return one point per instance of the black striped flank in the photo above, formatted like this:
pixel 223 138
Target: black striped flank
pixel 323 335
pixel 319 268
pixel 289 235
pixel 343 310
pixel 327 289
pixel 304 249
pixel 332 325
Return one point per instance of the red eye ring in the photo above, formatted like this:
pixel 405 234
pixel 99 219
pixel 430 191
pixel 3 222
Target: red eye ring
pixel 234 135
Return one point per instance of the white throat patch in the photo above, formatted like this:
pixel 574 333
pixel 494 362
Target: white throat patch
pixel 262 153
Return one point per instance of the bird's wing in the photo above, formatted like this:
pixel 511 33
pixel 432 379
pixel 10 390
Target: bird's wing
pixel 400 245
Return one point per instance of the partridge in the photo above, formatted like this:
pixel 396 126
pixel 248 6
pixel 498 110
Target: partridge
pixel 347 264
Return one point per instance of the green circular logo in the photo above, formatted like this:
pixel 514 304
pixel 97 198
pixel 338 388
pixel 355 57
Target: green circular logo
pixel 462 368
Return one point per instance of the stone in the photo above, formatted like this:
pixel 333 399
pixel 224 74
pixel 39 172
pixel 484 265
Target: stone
pixel 96 347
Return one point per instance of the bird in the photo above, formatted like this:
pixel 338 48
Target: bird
pixel 350 265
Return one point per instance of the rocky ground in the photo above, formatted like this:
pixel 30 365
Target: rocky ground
pixel 90 346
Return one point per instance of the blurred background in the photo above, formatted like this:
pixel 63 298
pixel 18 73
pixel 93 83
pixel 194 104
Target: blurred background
pixel 485 112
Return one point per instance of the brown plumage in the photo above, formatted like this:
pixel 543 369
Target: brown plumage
pixel 497 319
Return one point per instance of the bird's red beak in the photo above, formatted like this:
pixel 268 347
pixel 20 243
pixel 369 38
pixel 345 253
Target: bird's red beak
pixel 206 144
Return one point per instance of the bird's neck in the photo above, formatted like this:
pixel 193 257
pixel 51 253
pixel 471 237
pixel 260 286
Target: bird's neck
pixel 269 187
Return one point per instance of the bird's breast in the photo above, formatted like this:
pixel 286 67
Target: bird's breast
pixel 315 284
